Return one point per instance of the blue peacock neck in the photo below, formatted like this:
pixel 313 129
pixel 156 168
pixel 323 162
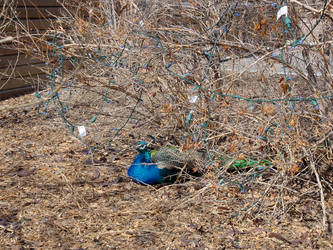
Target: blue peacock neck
pixel 147 156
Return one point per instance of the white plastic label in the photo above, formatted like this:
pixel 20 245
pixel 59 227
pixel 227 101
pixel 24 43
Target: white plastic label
pixel 193 99
pixel 282 11
pixel 82 130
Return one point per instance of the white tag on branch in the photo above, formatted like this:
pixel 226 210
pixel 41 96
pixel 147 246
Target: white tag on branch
pixel 282 11
pixel 82 130
pixel 193 99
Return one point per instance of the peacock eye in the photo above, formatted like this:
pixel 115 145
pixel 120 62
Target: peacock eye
pixel 141 147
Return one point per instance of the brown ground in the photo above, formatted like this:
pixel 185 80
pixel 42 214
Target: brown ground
pixel 54 197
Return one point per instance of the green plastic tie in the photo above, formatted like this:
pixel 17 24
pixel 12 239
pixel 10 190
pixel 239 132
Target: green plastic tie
pixel 92 120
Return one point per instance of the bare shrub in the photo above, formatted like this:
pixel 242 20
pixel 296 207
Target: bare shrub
pixel 219 76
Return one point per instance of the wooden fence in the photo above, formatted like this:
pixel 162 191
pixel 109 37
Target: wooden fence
pixel 20 73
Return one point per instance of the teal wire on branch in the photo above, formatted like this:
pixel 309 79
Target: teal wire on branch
pixel 115 61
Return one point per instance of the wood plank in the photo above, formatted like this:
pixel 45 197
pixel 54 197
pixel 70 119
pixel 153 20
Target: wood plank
pixel 40 12
pixel 17 60
pixel 5 94
pixel 21 82
pixel 43 3
pixel 8 48
pixel 23 70
pixel 32 25
pixel 7 51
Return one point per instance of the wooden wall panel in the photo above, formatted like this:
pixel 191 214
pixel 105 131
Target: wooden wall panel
pixel 22 70
pixel 5 94
pixel 39 3
pixel 29 25
pixel 41 12
pixel 16 60
pixel 19 73
pixel 13 83
pixel 7 51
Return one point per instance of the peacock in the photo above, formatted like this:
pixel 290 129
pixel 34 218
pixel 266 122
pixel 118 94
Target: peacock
pixel 162 166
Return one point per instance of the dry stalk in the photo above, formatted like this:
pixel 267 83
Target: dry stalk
pixel 321 191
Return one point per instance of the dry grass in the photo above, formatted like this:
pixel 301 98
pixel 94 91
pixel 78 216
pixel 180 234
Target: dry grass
pixel 55 195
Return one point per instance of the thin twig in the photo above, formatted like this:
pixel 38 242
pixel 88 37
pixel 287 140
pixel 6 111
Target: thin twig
pixel 322 198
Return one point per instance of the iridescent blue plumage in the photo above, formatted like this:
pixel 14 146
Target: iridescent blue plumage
pixel 144 171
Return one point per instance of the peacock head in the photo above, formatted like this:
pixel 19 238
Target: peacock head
pixel 142 147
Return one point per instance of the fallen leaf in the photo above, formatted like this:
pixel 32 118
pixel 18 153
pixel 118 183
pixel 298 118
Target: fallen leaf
pixel 241 157
pixel 294 169
pixel 256 27
pixel 284 87
pixel 24 173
